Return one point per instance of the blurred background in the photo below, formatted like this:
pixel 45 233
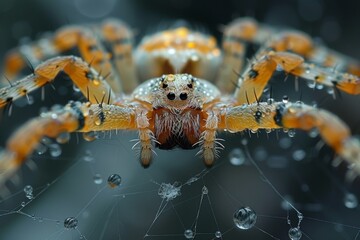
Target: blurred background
pixel 74 184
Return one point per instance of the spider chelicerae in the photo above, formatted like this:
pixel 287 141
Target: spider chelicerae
pixel 177 107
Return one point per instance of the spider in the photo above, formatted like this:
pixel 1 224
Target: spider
pixel 177 107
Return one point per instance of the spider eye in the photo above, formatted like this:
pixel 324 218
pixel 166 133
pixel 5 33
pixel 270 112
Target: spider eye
pixel 171 96
pixel 190 85
pixel 164 85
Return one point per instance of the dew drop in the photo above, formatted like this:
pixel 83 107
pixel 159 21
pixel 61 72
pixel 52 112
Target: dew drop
pixel 295 233
pixel 97 179
pixel 298 155
pixel 75 88
pixel 90 136
pixel 244 141
pixel 330 90
pixel 41 148
pixel 285 143
pixel 205 190
pixel 218 234
pixel 55 150
pixel 23 204
pixel 291 133
pixel 245 218
pixel 63 137
pixel 270 101
pixel 350 200
pixel 70 223
pixel 28 190
pixel 311 84
pixel 114 180
pixel 237 157
pixel 88 157
pixel 189 234
pixel 313 133
pixel 285 99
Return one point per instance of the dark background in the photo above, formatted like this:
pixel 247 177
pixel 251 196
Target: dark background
pixel 316 188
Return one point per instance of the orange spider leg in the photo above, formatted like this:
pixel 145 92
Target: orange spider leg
pixel 234 44
pixel 118 38
pixel 295 115
pixel 84 77
pixel 75 117
pixel 256 76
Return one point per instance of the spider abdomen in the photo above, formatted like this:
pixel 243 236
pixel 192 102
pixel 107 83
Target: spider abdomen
pixel 177 129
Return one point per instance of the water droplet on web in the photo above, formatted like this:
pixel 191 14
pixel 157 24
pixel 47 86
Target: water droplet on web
pixel 63 137
pixel 88 157
pixel 295 233
pixel 244 141
pixel 75 88
pixel 237 157
pixel 298 155
pixel 70 223
pixel 97 179
pixel 28 190
pixel 55 150
pixel 23 204
pixel 189 234
pixel 218 234
pixel 114 180
pixel 285 143
pixel 313 133
pixel 205 190
pixel 350 200
pixel 245 218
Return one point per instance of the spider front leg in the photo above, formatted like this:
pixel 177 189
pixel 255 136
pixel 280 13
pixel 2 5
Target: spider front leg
pixel 253 81
pixel 74 117
pixel 333 131
pixel 91 84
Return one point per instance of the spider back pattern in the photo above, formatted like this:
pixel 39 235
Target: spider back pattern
pixel 180 108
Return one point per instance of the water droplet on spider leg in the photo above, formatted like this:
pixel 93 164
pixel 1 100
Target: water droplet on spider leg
pixel 189 234
pixel 237 157
pixel 218 234
pixel 205 190
pixel 295 233
pixel 90 136
pixel 28 190
pixel 245 218
pixel 285 99
pixel 350 200
pixel 114 180
pixel 41 148
pixel 98 179
pixel 63 137
pixel 55 150
pixel 71 223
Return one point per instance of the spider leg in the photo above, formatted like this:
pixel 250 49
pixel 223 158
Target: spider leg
pixel 262 115
pixel 92 42
pixel 84 77
pixel 253 81
pixel 75 117
pixel 118 39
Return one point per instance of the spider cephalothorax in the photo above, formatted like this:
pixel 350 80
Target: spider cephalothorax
pixel 179 109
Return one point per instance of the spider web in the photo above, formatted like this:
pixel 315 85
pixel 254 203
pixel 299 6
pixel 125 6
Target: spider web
pixel 285 179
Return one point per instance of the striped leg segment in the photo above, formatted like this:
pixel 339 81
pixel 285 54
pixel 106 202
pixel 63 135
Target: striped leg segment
pixel 84 77
pixel 118 40
pixel 253 81
pixel 333 131
pixel 80 117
